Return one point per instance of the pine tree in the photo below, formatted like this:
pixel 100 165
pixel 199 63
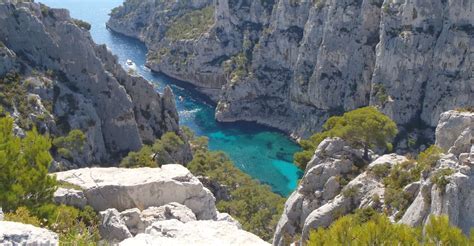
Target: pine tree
pixel 24 163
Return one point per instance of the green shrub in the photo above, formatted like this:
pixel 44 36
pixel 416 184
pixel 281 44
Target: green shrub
pixel 309 146
pixel 400 176
pixel 163 151
pixel 23 215
pixel 67 146
pixel 350 192
pixel 380 93
pixel 72 225
pixel 237 67
pixel 24 163
pixel 82 24
pixel 363 128
pixel 375 229
pixel 438 231
pixel 440 178
pixel 142 158
pixel 428 158
pixel 26 189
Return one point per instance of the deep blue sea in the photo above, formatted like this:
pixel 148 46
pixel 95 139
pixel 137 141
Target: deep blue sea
pixel 263 153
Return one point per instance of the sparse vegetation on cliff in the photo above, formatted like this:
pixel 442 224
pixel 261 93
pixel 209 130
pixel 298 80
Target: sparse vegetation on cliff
pixel 192 24
pixel 82 24
pixel 69 145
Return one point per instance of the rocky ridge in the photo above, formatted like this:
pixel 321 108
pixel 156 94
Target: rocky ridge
pixel 80 86
pixel 12 233
pixel 152 206
pixel 336 182
pixel 275 61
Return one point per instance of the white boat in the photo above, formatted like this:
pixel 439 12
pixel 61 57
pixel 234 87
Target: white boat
pixel 131 65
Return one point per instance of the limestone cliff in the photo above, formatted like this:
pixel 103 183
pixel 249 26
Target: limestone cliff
pixel 336 182
pixel 291 64
pixel 72 83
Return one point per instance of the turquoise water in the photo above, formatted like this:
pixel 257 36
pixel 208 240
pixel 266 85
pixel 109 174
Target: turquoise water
pixel 263 153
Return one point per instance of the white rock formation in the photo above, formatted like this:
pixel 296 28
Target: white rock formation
pixel 116 226
pixel 333 164
pixel 319 198
pixel 198 233
pixel 13 233
pixel 72 197
pixel 454 135
pixel 454 132
pixel 123 188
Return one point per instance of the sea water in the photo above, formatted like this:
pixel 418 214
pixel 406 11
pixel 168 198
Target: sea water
pixel 261 152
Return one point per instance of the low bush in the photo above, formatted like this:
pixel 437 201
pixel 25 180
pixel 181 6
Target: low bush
pixel 369 228
pixel 82 24
pixel 163 151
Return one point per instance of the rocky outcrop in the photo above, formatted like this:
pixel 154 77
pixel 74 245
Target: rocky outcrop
pixel 13 233
pixel 220 192
pixel 166 205
pixel 455 197
pixel 71 197
pixel 291 64
pixel 175 232
pixel 82 85
pixel 333 168
pixel 336 183
pixel 454 132
pixel 123 188
pixel 117 226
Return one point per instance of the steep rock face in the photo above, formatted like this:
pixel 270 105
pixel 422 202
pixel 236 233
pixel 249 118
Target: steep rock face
pixel 13 233
pixel 456 198
pixel 84 84
pixel 291 64
pixel 454 132
pixel 321 196
pixel 123 188
pixel 334 164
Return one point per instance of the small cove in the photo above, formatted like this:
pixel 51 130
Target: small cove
pixel 264 153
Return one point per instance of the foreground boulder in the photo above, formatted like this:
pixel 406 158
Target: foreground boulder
pixel 123 189
pixel 13 233
pixel 117 226
pixel 175 232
